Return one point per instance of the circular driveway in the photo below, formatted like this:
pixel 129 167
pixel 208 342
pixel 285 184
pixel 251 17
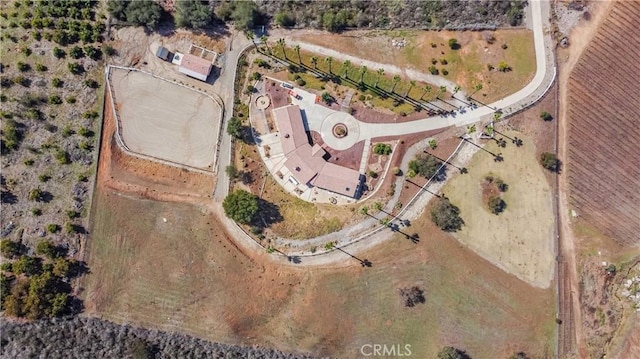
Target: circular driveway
pixel 353 130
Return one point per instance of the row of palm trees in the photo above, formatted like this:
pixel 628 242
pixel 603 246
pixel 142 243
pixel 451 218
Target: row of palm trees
pixel 347 65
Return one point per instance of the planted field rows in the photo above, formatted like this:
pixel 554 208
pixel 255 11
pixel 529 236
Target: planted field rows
pixel 603 157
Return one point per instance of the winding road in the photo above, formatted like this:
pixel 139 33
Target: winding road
pixel 539 85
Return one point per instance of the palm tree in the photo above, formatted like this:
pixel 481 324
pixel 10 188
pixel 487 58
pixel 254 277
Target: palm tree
pixel 426 89
pixel 251 37
pixel 411 85
pixel 396 79
pixel 363 71
pixel 380 73
pixel 346 65
pixel 329 60
pixel 476 88
pixel 456 89
pixel 497 115
pixel 264 40
pixel 297 48
pixel 441 90
pixel 314 62
pixel 281 42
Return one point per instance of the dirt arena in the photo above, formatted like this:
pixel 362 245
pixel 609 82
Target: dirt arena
pixel 166 121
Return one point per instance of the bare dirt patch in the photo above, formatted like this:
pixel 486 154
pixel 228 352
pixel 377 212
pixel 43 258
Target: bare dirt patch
pixel 519 240
pixel 166 121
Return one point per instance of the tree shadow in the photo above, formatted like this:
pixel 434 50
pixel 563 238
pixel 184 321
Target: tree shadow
pixel 363 262
pixel 7 197
pixel 268 213
pixel 294 259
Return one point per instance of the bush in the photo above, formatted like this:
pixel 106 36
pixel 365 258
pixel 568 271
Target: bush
pixel 373 174
pixel 240 206
pixel 71 99
pixel 41 68
pixel 453 44
pixel 47 249
pixel 23 67
pixel 327 98
pixel 85 132
pixel 504 67
pixel 192 14
pixel 446 215
pixel 109 50
pixel 412 296
pixel 75 68
pixel 425 165
pixel 283 19
pixel 44 178
pixel 36 194
pixel 256 76
pixel 496 204
pixel 29 162
pixel 59 53
pixel 10 249
pixel 91 83
pixel 145 13
pixel 382 149
pixel 231 171
pixel 451 353
pixel 235 128
pixel 92 52
pixel 301 82
pixel 56 82
pixel 76 52
pixel 62 157
pixel 53 228
pixel 546 116
pixel 550 161
pixel 433 70
pixel 54 100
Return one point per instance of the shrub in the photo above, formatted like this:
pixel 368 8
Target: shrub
pixel 9 248
pixel 71 99
pixel 546 116
pixel 75 68
pixel 433 70
pixel 29 162
pixel 433 144
pixel 396 171
pixel 301 82
pixel 496 204
pixel 373 174
pixel 550 161
pixel 425 165
pixel 443 61
pixel 109 50
pixel 445 72
pixel 41 68
pixel 412 296
pixel 382 149
pixel 92 52
pixel 451 353
pixel 446 215
pixel 23 67
pixel 146 13
pixel 36 194
pixel 235 128
pixel 59 53
pixel 54 100
pixel 453 44
pixel 327 98
pixel 256 76
pixel 504 46
pixel 56 82
pixel 192 14
pixel 504 67
pixel 53 228
pixel 47 249
pixel 91 83
pixel 62 157
pixel 36 211
pixel 44 178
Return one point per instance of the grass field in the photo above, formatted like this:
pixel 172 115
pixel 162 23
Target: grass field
pixel 466 66
pixel 185 275
pixel 521 238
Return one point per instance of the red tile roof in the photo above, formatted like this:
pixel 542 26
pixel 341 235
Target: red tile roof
pixel 196 64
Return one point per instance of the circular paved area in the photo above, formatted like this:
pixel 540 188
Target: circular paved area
pixel 262 102
pixel 353 130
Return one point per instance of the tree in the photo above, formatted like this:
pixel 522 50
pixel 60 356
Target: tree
pixel 456 88
pixel 59 53
pixel 231 171
pixel 314 62
pixel 363 71
pixel 264 39
pixel 282 44
pixel 327 98
pixel 496 204
pixel 425 165
pixel 61 267
pixel 380 72
pixel 477 87
pixel 10 249
pixel 452 353
pixel 235 128
pixel 240 206
pixel 251 36
pixel 47 249
pixel 283 19
pixel 441 90
pixel 546 116
pixel 433 144
pixel 550 161
pixel 426 90
pixel 412 296
pixel 396 79
pixel 346 65
pixel 382 149
pixel 453 44
pixel 329 245
pixel 503 67
pixel 446 215
pixel 412 84
pixel 297 49
pixel 329 60
pixel 146 13
pixel 192 14
pixel 245 15
pixel 27 265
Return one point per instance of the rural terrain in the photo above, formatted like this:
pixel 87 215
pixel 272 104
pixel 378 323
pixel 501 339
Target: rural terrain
pixel 145 213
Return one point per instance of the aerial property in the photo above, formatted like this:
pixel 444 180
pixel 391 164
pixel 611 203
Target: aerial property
pixel 306 164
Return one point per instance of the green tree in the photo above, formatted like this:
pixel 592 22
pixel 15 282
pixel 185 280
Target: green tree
pixel 380 73
pixel 297 49
pixel 264 39
pixel 10 249
pixel 144 13
pixel 426 90
pixel 346 65
pixel 282 43
pixel 327 98
pixel 550 161
pixel 363 71
pixel 192 14
pixel 27 265
pixel 61 267
pixel 240 206
pixel 235 128
pixel 453 44
pixel 396 79
pixel 451 353
pixel 412 84
pixel 314 62
pixel 496 204
pixel 47 249
pixel 245 15
pixel 446 216
pixel 329 60
pixel 546 116
pixel 503 67
pixel 425 165
pixel 232 172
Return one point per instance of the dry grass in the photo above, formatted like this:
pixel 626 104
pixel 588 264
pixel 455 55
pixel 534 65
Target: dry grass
pixel 521 238
pixel 466 66
pixel 185 275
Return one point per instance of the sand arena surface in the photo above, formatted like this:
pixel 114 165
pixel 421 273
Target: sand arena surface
pixel 164 120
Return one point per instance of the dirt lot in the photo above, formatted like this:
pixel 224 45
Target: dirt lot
pixel 520 239
pixel 166 121
pixel 466 66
